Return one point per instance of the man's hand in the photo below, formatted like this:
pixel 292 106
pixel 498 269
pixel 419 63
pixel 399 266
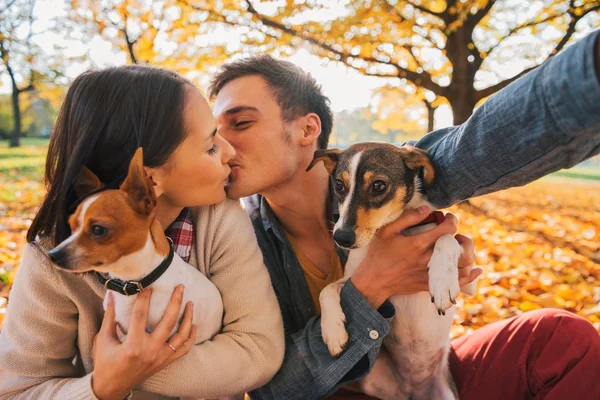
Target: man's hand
pixel 466 272
pixel 397 264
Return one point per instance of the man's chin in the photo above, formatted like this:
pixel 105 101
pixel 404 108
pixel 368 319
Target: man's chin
pixel 235 192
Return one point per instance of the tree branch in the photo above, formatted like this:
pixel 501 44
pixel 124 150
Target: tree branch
pixel 28 88
pixel 421 79
pixel 480 94
pixel 11 73
pixel 4 55
pixel 415 58
pixel 570 30
pixel 518 28
pixel 130 45
pixel 6 7
pixel 424 9
pixel 488 91
pixel 474 19
pixel 392 10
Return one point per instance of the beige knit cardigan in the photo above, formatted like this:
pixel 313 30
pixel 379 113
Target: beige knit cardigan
pixel 53 316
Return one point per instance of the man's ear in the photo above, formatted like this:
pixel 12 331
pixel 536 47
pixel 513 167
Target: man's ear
pixel 311 129
pixel 416 159
pixel 330 158
pixel 138 186
pixel 86 183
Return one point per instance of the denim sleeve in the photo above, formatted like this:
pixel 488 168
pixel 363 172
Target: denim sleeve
pixel 309 372
pixel 546 121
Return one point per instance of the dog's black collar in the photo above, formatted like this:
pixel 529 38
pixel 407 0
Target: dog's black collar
pixel 130 288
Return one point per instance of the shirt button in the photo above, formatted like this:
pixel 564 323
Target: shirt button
pixel 373 334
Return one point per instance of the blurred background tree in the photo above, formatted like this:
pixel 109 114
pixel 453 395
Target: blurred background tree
pixel 439 46
pixel 34 73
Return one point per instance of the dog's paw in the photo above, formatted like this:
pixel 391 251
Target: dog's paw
pixel 333 330
pixel 443 273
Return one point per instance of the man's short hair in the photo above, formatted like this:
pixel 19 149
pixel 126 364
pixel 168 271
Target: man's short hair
pixel 295 90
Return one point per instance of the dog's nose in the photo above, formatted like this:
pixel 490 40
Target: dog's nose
pixel 344 238
pixel 58 256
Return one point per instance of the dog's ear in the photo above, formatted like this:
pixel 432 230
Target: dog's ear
pixel 416 159
pixel 86 183
pixel 329 157
pixel 138 186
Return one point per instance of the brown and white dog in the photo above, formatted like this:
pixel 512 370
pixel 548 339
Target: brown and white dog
pixel 116 233
pixel 374 184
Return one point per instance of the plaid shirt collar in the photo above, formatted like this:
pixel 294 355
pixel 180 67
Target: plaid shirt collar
pixel 181 232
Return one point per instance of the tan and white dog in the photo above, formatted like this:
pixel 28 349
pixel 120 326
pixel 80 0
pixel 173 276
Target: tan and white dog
pixel 116 233
pixel 374 184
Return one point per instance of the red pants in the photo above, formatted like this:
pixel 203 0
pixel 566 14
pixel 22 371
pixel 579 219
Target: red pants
pixel 544 354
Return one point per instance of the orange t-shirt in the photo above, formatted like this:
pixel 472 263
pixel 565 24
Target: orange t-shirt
pixel 315 278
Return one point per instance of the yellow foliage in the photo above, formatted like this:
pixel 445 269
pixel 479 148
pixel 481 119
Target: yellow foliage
pixel 141 22
pixel 423 42
pixel 539 247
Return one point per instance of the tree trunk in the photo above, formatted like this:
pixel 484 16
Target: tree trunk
pixel 461 110
pixel 15 137
pixel 462 104
pixel 461 92
pixel 430 115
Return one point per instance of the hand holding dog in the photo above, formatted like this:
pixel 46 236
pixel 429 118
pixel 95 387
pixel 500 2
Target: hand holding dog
pixel 397 264
pixel 119 367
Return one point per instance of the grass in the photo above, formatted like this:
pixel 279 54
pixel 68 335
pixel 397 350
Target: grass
pixel 25 163
pixel 588 173
pixel 26 142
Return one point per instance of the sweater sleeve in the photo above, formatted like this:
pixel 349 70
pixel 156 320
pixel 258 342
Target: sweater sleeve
pixel 249 350
pixel 38 340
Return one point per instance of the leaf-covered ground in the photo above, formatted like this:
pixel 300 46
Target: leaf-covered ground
pixel 21 192
pixel 539 245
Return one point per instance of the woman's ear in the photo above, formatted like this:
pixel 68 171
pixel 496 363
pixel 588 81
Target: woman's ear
pixel 157 177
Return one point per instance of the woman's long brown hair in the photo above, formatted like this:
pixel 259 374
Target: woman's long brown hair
pixel 105 117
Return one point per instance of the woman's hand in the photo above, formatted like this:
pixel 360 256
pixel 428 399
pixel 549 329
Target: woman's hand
pixel 119 367
pixel 397 264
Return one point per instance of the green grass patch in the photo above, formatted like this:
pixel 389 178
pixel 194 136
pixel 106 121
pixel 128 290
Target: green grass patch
pixel 24 163
pixel 588 173
pixel 26 143
pixel 4 276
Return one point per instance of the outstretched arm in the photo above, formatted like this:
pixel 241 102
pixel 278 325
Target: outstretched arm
pixel 543 122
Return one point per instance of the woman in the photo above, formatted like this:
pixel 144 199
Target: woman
pixel 52 344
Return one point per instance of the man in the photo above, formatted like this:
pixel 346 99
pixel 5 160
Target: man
pixel 275 116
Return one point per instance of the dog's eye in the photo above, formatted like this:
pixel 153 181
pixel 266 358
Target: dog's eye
pixel 99 231
pixel 379 186
pixel 339 186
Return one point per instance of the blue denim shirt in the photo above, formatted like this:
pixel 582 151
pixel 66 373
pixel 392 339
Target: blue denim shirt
pixel 545 121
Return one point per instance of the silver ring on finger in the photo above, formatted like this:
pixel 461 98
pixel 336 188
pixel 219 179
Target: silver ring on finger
pixel 171 346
